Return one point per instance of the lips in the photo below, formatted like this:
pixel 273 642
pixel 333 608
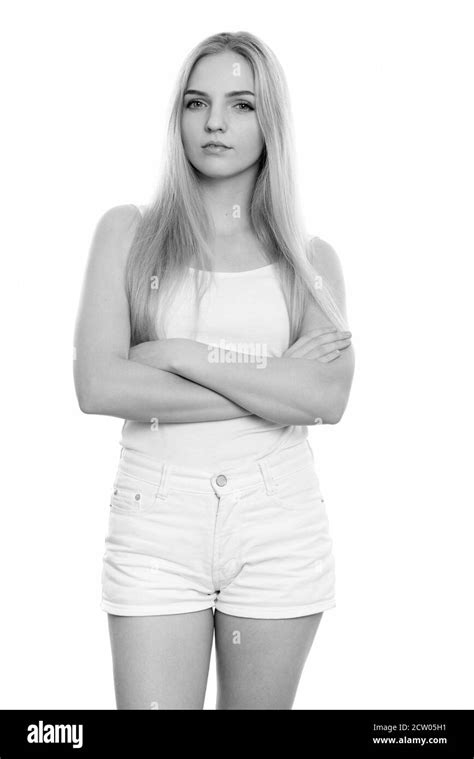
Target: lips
pixel 215 144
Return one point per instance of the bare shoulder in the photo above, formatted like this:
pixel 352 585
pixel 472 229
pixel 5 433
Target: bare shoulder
pixel 328 264
pixel 115 231
pixel 120 220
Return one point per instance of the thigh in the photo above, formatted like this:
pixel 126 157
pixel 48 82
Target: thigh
pixel 161 661
pixel 260 661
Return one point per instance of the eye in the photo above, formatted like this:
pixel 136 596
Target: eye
pixel 248 107
pixel 191 103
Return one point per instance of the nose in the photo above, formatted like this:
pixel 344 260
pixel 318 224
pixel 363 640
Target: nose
pixel 216 119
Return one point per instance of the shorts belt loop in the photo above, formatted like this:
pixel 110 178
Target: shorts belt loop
pixel 163 489
pixel 267 477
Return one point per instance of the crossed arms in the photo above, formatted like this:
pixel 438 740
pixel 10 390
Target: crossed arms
pixel 174 380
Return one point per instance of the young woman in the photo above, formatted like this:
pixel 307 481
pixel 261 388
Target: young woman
pixel 217 329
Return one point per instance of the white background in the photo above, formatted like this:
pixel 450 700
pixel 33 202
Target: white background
pixel 382 101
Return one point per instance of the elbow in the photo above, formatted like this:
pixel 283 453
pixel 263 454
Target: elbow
pixel 336 412
pixel 87 403
pixel 341 397
pixel 338 390
pixel 96 387
pixel 86 406
pixel 332 413
pixel 330 416
pixel 87 397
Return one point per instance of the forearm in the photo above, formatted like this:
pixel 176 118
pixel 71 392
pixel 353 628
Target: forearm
pixel 283 390
pixel 139 392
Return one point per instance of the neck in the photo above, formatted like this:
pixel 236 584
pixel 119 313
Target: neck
pixel 227 202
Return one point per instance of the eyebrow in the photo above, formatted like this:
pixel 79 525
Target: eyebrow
pixel 234 93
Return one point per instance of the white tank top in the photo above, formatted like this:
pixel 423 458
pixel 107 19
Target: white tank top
pixel 245 311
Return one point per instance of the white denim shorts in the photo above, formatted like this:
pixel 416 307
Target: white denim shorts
pixel 251 541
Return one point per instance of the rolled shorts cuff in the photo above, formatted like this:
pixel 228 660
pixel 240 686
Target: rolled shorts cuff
pixel 234 611
pixel 283 613
pixel 148 611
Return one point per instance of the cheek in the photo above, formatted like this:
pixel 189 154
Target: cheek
pixel 188 133
pixel 250 140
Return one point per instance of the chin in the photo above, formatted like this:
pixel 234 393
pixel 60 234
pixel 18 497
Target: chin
pixel 219 170
pixel 216 172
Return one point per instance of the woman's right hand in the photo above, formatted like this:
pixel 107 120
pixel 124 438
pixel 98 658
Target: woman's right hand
pixel 321 344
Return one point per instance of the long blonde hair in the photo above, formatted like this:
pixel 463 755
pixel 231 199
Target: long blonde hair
pixel 173 232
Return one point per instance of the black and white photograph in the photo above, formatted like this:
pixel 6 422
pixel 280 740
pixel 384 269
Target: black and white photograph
pixel 237 314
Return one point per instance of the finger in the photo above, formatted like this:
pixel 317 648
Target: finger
pixel 320 336
pixel 306 337
pixel 317 332
pixel 330 356
pixel 318 353
pixel 343 343
pixel 320 350
pixel 329 338
pixel 322 331
pixel 314 333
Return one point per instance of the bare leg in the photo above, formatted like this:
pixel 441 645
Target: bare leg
pixel 161 662
pixel 260 661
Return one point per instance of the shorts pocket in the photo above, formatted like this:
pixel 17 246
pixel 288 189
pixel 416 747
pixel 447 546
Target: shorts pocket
pixel 133 495
pixel 298 490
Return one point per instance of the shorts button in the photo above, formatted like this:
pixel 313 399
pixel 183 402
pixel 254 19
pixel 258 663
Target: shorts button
pixel 115 491
pixel 137 497
pixel 221 480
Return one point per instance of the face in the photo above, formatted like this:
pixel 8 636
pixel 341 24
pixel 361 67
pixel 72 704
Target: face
pixel 219 106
